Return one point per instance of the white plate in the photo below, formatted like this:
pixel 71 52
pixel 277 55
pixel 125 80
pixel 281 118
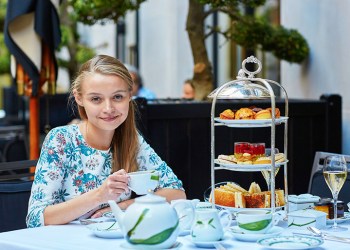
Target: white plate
pixel 250 123
pixel 239 235
pixel 109 230
pixel 207 244
pixel 248 168
pixel 340 220
pixel 290 242
pixel 127 245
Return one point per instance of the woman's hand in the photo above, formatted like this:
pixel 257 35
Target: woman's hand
pixel 99 213
pixel 114 186
pixel 123 206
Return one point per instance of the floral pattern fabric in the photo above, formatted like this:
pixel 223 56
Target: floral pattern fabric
pixel 69 167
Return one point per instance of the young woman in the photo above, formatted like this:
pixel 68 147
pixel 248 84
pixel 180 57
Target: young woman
pixel 82 166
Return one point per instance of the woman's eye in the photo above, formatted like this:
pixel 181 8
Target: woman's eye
pixel 95 99
pixel 118 97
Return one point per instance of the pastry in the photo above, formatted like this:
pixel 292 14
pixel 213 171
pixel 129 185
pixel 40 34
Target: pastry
pixel 277 112
pixel 263 114
pixel 245 114
pixel 227 114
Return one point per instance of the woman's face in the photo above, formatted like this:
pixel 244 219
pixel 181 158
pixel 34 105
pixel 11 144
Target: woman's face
pixel 105 99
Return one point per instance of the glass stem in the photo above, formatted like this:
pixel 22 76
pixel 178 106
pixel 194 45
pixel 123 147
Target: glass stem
pixel 335 210
pixel 268 185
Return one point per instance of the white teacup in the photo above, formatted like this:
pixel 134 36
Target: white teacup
pixel 255 221
pixel 210 224
pixel 143 182
pixel 185 211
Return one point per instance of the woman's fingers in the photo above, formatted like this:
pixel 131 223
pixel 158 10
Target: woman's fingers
pixel 100 212
pixel 117 182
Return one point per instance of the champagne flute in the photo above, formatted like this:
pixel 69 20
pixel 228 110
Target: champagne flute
pixel 267 173
pixel 267 177
pixel 335 172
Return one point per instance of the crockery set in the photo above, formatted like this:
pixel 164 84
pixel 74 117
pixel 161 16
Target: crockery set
pixel 151 222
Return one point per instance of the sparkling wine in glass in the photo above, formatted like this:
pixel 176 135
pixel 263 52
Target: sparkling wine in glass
pixel 267 173
pixel 267 177
pixel 335 173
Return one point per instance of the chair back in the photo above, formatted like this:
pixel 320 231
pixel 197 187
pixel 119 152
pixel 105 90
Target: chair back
pixel 15 191
pixel 14 197
pixel 13 143
pixel 317 183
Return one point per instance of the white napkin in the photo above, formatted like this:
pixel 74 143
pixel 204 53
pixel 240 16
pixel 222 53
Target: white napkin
pixel 303 198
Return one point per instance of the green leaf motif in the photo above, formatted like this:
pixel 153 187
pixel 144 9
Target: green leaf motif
pixel 255 226
pixel 155 177
pixel 199 222
pixel 210 223
pixel 301 225
pixel 131 232
pixel 157 238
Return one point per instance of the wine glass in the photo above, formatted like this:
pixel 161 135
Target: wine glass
pixel 267 173
pixel 335 172
pixel 267 177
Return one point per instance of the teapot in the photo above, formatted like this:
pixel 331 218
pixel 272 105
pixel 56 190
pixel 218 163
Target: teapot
pixel 149 222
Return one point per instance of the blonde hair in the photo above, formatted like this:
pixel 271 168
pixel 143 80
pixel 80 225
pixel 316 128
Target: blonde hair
pixel 125 143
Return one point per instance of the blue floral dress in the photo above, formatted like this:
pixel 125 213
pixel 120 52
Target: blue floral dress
pixel 68 167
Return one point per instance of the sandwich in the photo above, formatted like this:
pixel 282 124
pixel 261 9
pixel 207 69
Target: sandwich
pixel 230 159
pixel 262 160
pixel 256 200
pixel 254 188
pixel 224 197
pixel 239 200
pixel 233 195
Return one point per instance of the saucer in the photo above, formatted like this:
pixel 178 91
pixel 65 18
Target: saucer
pixel 206 244
pixel 109 230
pixel 126 245
pixel 290 242
pixel 239 235
pixel 108 214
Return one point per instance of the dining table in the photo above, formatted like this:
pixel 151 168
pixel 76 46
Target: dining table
pixel 77 235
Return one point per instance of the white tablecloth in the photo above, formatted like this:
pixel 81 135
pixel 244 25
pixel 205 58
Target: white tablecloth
pixel 75 236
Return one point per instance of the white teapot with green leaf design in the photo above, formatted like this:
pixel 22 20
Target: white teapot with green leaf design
pixel 149 222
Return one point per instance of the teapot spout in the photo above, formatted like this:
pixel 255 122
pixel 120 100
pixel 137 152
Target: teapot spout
pixel 117 212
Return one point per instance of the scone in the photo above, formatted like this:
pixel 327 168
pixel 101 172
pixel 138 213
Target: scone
pixel 277 112
pixel 245 114
pixel 227 114
pixel 263 114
